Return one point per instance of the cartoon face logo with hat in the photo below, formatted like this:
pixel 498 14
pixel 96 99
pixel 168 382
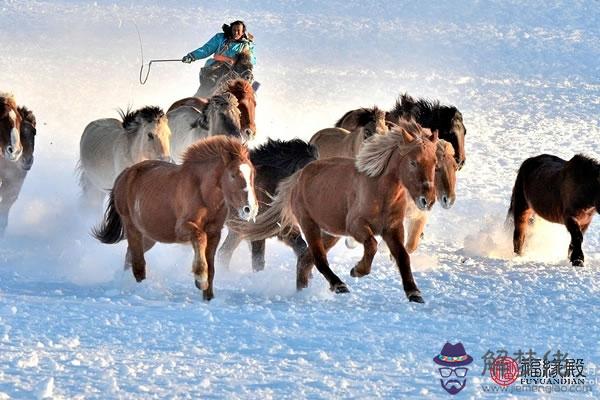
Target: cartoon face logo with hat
pixel 453 359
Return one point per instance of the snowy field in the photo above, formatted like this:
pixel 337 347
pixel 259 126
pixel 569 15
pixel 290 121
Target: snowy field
pixel 525 75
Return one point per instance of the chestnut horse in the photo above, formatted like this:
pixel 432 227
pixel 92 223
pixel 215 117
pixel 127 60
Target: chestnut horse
pixel 273 161
pixel 246 103
pixel 359 198
pixel 13 173
pixel 10 125
pixel 156 201
pixel 559 191
pixel 445 186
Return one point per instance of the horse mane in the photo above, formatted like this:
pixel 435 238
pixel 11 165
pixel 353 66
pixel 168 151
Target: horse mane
pixel 207 150
pixel 585 167
pixel 376 151
pixel 244 59
pixel 363 116
pixel 130 120
pixel 284 155
pixel 7 102
pixel 27 115
pixel 240 88
pixel 426 112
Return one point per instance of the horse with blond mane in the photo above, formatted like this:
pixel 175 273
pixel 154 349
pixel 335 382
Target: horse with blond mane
pixel 360 198
pixel 157 201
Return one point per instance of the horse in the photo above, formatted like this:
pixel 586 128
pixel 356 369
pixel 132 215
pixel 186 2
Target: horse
pixel 188 124
pixel 108 146
pixel 373 119
pixel 273 161
pixel 359 198
pixel 13 173
pixel 214 78
pixel 10 124
pixel 246 103
pixel 559 191
pixel 445 185
pixel 156 201
pixel 447 120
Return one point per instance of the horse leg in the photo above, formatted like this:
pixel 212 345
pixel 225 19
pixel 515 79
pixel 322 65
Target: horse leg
pixel 135 250
pixel 9 192
pixel 200 265
pixel 258 255
pixel 415 232
pixel 576 232
pixel 363 234
pixel 394 239
pixel 92 197
pixel 304 261
pixel 147 245
pixel 522 213
pixel 312 232
pixel 212 242
pixel 232 241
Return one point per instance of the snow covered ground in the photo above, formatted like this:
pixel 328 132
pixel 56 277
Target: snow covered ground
pixel 523 73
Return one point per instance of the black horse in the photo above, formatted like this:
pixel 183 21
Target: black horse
pixel 273 162
pixel 447 120
pixel 560 191
pixel 214 77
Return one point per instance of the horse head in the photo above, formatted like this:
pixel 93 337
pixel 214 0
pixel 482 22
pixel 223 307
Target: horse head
pixel 221 116
pixel 456 135
pixel 237 180
pixel 28 131
pixel 445 174
pixel 149 133
pixel 243 67
pixel 10 126
pixel 244 93
pixel 416 161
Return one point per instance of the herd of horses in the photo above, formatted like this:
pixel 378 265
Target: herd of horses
pixel 181 176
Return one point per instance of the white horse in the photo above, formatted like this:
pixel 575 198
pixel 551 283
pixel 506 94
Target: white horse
pixel 108 146
pixel 195 118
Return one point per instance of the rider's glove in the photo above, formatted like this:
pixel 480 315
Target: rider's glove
pixel 188 58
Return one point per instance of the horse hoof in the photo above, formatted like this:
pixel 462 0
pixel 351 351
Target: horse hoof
pixel 207 296
pixel 355 274
pixel 416 298
pixel 139 277
pixel 341 288
pixel 577 263
pixel 201 285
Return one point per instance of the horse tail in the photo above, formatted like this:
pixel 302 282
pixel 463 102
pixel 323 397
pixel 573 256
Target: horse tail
pixel 517 196
pixel 277 219
pixel 111 229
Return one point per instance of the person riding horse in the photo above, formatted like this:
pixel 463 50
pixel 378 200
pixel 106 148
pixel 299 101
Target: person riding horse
pixel 226 47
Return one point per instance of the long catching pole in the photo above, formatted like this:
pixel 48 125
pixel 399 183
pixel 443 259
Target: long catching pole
pixel 143 80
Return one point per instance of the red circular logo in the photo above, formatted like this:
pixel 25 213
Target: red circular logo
pixel 504 371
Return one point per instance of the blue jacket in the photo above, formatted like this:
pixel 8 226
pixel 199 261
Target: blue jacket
pixel 219 44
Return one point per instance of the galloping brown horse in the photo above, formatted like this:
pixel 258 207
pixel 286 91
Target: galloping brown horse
pixel 560 191
pixel 156 201
pixel 359 198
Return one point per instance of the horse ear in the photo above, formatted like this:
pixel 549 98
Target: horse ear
pixel 435 136
pixel 407 136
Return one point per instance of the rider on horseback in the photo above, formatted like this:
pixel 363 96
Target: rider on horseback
pixel 226 47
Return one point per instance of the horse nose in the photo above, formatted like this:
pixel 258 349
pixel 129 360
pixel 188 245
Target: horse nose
pixel 249 133
pixel 447 201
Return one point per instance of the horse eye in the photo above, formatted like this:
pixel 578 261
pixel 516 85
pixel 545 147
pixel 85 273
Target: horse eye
pixel 413 163
pixel 150 136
